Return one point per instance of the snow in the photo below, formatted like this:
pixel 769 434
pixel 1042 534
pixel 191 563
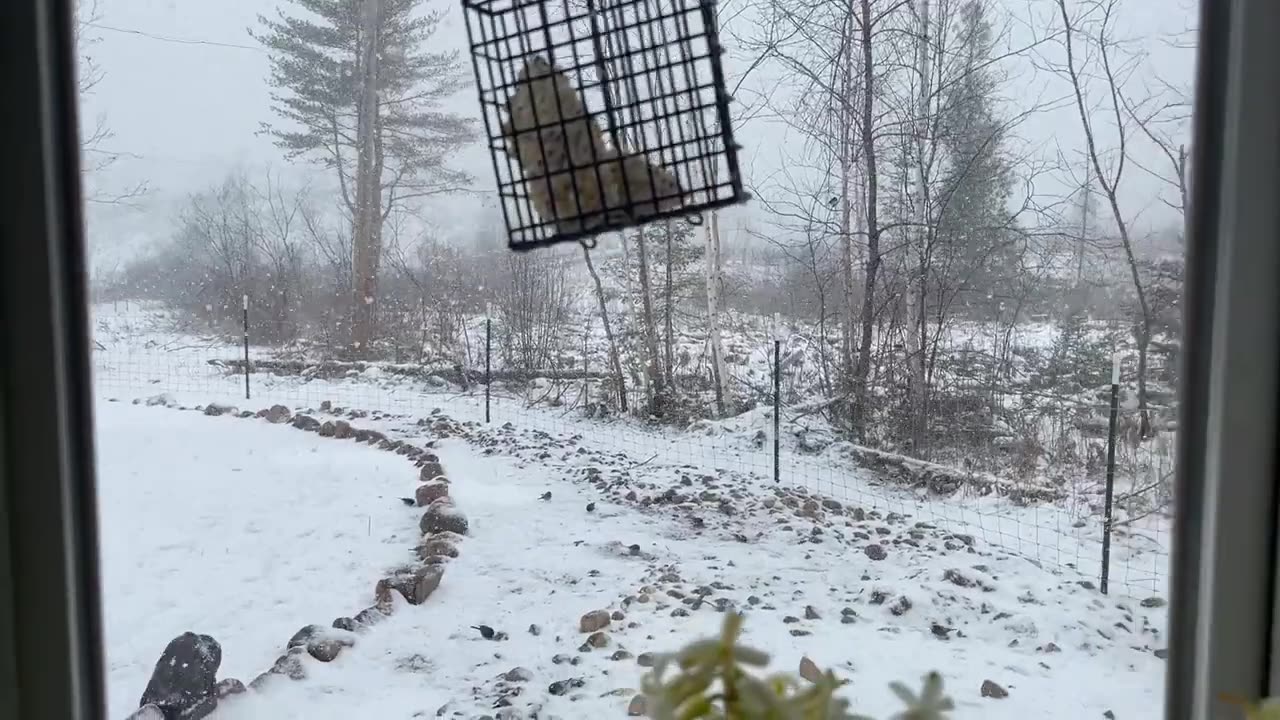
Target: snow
pixel 242 530
pixel 546 563
pixel 248 531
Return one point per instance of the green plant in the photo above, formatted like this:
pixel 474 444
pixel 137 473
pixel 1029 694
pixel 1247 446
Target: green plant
pixel 741 695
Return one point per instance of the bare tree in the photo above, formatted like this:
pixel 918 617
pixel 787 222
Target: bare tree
pixel 1109 179
pixel 96 157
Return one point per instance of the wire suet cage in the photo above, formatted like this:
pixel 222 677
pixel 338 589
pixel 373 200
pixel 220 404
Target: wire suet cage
pixel 602 114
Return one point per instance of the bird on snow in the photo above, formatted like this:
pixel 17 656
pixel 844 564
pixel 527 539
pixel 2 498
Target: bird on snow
pixel 591 506
pixel 486 632
pixel 546 495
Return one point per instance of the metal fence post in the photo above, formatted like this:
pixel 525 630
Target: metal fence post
pixel 246 346
pixel 1111 472
pixel 777 397
pixel 488 349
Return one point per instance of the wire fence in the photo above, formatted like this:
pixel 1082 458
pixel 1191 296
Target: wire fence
pixel 1049 504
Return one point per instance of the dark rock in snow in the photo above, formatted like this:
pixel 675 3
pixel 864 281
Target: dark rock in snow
pixel 442 516
pixel 185 675
pixel 876 552
pixel 992 690
pixel 276 414
pixel 228 686
pixel 429 492
pixel 306 422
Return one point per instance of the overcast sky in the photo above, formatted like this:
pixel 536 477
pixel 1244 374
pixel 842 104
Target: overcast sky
pixel 186 110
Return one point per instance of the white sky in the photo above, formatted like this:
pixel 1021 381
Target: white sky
pixel 187 114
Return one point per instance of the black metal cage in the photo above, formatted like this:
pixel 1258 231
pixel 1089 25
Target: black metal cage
pixel 602 114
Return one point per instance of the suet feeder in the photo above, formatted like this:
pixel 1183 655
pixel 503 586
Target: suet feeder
pixel 602 114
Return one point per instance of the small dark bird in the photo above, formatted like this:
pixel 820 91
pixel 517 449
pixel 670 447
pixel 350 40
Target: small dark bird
pixel 546 495
pixel 486 632
pixel 591 506
pixel 408 501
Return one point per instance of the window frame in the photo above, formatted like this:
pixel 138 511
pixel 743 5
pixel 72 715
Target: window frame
pixel 1224 577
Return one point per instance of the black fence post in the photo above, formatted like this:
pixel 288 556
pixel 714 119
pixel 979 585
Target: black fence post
pixel 488 348
pixel 777 397
pixel 246 346
pixel 1111 472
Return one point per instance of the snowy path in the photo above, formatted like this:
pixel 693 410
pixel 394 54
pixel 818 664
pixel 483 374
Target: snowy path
pixel 1062 651
pixel 239 529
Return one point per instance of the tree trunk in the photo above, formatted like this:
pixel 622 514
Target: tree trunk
pixel 668 349
pixel 653 367
pixel 615 362
pixel 366 235
pixel 715 282
pixel 867 319
pixel 914 321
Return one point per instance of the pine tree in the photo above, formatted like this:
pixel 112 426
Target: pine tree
pixel 974 223
pixel 357 90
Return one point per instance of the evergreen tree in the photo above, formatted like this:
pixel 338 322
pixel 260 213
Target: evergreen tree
pixel 357 90
pixel 975 227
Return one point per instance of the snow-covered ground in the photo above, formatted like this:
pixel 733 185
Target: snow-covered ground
pixel 241 531
pixel 247 531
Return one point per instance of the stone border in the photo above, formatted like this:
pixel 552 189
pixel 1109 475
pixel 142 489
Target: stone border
pixel 443 526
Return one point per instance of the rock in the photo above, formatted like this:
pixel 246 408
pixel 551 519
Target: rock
pixel 809 670
pixel 342 430
pixel 618 616
pixel 1154 602
pixel 620 655
pixel 436 547
pixel 900 606
pixel 561 687
pixel 645 659
pixel 1162 653
pixel 290 665
pixel 442 516
pixel 875 551
pixel 956 578
pixel 598 639
pixel 327 429
pixel 415 584
pixel 185 675
pixel 992 690
pixel 164 399
pixel 228 686
pixel 430 471
pixel 147 712
pixel 327 645
pixel 534 630
pixel 326 405
pixel 811 613
pixel 369 617
pixel 345 623
pixel 429 492
pixel 276 414
pixel 306 422
pixel 518 674
pixel 593 621
pixel 215 409
pixel 638 706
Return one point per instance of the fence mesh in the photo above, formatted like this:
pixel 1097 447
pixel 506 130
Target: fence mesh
pixel 1046 505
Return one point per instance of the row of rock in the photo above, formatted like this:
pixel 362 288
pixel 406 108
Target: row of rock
pixel 184 684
